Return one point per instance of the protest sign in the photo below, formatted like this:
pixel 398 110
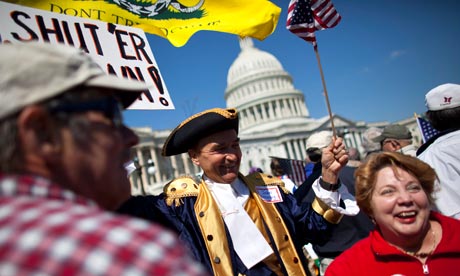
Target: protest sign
pixel 120 50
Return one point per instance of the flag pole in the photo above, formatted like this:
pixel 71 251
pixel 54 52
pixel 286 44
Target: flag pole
pixel 325 91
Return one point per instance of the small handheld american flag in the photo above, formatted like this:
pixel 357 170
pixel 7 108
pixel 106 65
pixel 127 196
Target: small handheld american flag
pixel 307 16
pixel 426 129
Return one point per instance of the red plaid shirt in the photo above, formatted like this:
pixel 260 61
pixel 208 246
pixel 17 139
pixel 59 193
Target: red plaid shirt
pixel 45 230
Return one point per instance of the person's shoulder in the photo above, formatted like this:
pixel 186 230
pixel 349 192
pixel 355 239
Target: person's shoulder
pixel 112 242
pixel 362 249
pixel 446 221
pixel 447 140
pixel 181 187
pixel 442 148
pixel 133 239
pixel 58 217
pixel 105 226
pixel 345 263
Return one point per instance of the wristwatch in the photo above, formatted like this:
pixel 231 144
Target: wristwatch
pixel 329 186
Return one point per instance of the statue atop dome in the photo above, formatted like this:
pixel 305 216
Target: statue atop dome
pixel 246 43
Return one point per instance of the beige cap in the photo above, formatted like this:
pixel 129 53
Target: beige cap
pixel 319 140
pixel 32 72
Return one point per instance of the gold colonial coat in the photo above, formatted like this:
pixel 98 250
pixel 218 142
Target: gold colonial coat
pixel 212 225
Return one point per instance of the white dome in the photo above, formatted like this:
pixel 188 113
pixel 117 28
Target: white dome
pixel 251 61
pixel 263 92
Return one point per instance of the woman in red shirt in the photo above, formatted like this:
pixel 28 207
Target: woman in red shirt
pixel 395 190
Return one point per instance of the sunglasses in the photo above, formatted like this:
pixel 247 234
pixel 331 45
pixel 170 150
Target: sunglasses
pixel 109 106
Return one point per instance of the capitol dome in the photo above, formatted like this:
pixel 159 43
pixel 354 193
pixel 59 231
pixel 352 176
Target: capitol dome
pixel 263 92
pixel 252 60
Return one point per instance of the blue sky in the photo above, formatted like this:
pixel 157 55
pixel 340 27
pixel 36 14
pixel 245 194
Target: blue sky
pixel 378 62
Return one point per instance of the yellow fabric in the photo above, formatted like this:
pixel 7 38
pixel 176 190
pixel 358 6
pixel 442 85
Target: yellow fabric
pixel 175 20
pixel 213 231
pixel 274 221
pixel 324 210
pixel 178 188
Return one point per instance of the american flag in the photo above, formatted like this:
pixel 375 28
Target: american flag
pixel 307 16
pixel 426 129
pixel 295 169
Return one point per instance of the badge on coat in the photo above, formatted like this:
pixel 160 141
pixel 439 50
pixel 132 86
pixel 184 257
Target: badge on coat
pixel 269 194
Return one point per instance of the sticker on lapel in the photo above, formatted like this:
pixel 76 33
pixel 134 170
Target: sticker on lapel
pixel 270 194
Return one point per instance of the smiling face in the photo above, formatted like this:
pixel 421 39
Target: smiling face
pixel 219 155
pixel 399 205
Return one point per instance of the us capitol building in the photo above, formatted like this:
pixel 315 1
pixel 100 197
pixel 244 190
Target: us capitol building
pixel 274 121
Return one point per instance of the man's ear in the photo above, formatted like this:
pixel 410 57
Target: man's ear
pixel 193 154
pixel 36 132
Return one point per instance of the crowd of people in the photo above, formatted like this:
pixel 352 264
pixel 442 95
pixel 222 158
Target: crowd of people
pixel 66 206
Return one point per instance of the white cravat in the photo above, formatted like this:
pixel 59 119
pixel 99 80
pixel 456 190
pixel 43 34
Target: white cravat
pixel 248 241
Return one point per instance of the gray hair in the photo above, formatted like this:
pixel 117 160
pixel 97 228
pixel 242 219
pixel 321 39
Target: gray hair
pixel 10 152
pixel 11 155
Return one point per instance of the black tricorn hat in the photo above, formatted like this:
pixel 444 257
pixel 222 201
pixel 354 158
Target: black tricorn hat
pixel 198 126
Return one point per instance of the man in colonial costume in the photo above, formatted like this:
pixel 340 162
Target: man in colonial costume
pixel 236 224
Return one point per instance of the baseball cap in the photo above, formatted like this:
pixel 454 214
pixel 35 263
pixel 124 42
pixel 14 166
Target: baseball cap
pixel 444 96
pixel 393 131
pixel 319 139
pixel 32 72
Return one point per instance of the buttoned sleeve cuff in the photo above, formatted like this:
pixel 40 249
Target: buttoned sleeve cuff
pixel 330 200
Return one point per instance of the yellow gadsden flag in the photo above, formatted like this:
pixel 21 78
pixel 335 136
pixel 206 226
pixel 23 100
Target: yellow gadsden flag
pixel 175 20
